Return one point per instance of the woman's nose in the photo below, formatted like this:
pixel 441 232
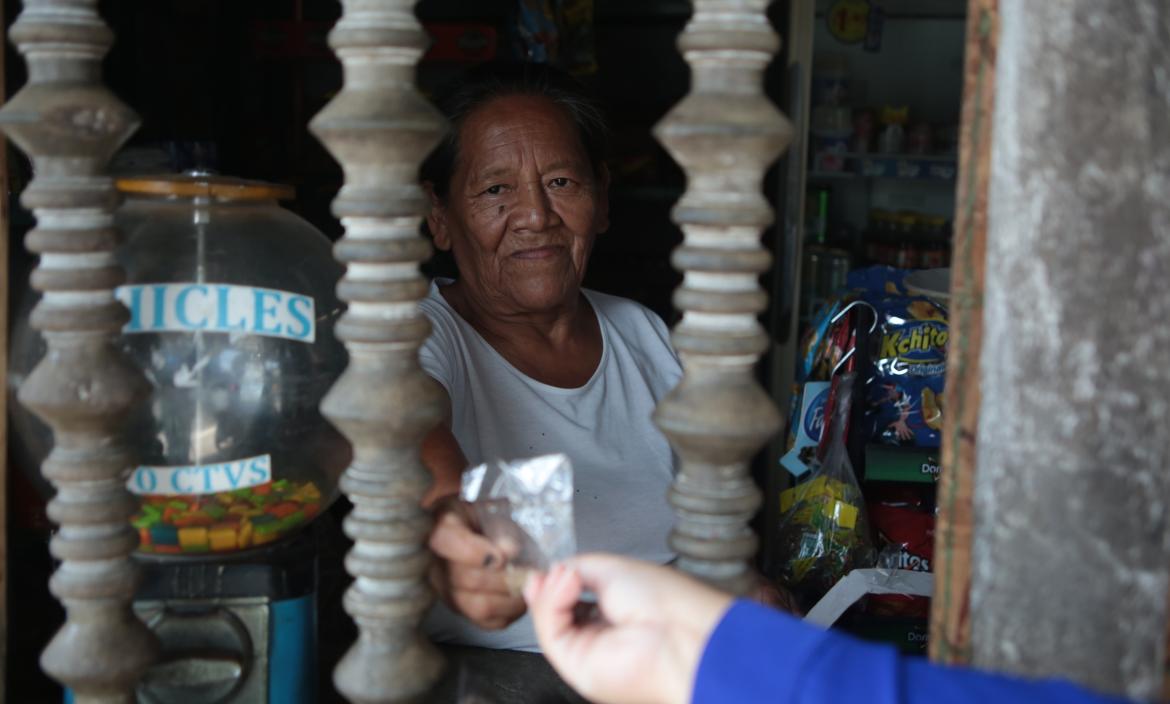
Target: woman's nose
pixel 535 211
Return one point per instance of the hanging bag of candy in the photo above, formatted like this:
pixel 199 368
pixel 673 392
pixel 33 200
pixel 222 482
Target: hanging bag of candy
pixel 823 531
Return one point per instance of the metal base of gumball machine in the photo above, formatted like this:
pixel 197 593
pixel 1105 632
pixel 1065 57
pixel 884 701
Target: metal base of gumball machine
pixel 236 629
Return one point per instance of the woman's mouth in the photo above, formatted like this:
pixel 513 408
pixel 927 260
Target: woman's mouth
pixel 546 252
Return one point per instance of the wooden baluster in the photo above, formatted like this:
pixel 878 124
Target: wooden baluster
pixel 70 126
pixel 950 616
pixel 724 134
pixel 380 128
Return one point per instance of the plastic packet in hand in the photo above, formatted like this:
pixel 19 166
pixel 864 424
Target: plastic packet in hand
pixel 525 507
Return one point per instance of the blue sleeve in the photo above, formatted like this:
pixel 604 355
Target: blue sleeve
pixel 757 654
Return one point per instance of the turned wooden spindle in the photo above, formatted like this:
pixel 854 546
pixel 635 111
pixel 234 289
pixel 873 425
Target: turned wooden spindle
pixel 70 125
pixel 379 128
pixel 724 134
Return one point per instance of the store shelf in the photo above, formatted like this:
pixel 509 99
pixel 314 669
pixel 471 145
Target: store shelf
pixel 904 167
pixel 832 175
pixel 910 167
pixel 913 465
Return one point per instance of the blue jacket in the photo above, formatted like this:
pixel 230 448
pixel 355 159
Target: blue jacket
pixel 757 654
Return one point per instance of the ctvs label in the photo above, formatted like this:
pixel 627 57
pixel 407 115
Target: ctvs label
pixel 212 307
pixel 201 478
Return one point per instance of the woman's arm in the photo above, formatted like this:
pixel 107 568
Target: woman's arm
pixel 444 458
pixel 470 572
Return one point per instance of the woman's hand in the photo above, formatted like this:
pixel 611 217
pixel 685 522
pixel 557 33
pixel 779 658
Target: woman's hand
pixel 470 573
pixel 768 594
pixel 646 645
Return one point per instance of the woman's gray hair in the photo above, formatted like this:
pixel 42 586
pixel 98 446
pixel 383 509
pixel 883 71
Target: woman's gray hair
pixel 489 82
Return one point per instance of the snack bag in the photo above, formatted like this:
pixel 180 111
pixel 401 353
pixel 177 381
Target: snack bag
pixel 905 392
pixel 556 32
pixel 537 34
pixel 904 525
pixel 877 282
pixel 526 508
pixel 806 426
pixel 814 346
pixel 576 28
pixel 823 531
pixel 831 347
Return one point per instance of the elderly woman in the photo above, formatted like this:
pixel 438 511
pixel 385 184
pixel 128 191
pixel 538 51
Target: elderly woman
pixel 532 363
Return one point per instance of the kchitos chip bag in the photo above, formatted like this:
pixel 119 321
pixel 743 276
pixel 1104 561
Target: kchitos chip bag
pixel 905 393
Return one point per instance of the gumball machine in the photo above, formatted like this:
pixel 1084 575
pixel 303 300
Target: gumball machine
pixel 232 307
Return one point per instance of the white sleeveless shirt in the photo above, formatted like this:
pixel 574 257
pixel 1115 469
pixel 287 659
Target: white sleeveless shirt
pixel 622 465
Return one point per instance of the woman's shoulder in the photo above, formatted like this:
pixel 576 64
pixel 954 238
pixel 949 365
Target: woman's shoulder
pixel 436 308
pixel 630 317
pixel 446 330
pixel 618 306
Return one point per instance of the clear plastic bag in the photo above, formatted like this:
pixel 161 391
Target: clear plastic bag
pixel 823 531
pixel 525 507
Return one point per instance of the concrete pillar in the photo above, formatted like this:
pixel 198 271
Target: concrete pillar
pixel 1071 556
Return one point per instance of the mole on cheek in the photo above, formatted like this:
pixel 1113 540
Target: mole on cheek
pixel 500 211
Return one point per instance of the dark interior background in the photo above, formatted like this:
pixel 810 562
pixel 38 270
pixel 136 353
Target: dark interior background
pixel 232 85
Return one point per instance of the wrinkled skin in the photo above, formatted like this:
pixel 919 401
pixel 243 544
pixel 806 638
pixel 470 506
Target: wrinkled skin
pixel 522 212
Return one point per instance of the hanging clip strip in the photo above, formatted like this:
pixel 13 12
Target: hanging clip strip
pixel 841 313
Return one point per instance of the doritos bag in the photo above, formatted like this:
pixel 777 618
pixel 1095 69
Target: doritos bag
pixel 905 540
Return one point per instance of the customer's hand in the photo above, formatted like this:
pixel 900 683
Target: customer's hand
pixel 646 644
pixel 470 572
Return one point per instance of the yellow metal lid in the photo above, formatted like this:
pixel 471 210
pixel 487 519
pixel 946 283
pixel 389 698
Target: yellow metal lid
pixel 196 184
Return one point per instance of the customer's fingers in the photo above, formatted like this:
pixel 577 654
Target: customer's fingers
pixel 534 587
pixel 551 598
pixel 633 591
pixel 601 571
pixel 625 588
pixel 564 589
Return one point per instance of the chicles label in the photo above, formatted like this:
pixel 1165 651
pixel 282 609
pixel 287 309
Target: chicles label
pixel 211 307
pixel 201 478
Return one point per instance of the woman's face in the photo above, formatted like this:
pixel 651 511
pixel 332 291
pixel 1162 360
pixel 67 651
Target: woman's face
pixel 523 207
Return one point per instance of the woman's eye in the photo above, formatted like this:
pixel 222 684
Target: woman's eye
pixel 494 190
pixel 560 182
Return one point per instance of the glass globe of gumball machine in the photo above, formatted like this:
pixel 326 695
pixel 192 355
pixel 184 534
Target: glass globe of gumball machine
pixel 232 308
